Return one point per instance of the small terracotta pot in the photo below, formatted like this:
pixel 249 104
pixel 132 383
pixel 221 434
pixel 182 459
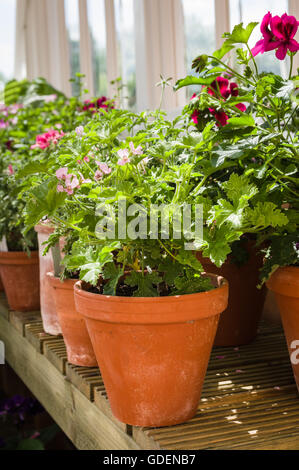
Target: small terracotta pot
pixel 20 277
pixel 239 322
pixel 285 284
pixel 1 285
pixel 153 351
pixel 47 303
pixel 75 334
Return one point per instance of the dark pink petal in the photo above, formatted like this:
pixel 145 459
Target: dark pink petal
pixel 241 107
pixel 265 26
pixel 234 89
pixel 221 117
pixel 194 116
pixel 290 25
pixel 293 45
pixel 259 48
pixel 277 27
pixel 281 51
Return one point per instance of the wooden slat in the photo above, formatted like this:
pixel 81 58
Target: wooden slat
pixel 249 398
pixel 36 336
pixel 55 351
pixel 82 421
pixel 86 379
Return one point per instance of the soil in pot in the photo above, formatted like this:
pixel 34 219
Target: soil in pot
pixel 20 276
pixel 153 351
pixel 75 334
pixel 239 322
pixel 284 282
pixel 47 304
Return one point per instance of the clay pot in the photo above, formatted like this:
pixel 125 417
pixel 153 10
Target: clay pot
pixel 239 322
pixel 76 338
pixel 284 282
pixel 20 277
pixel 47 303
pixel 1 285
pixel 153 351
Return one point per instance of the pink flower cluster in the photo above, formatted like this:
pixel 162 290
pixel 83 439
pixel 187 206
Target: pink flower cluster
pixel 124 154
pixel 102 170
pixel 226 89
pixel 94 105
pixel 43 141
pixel 68 181
pixel 278 33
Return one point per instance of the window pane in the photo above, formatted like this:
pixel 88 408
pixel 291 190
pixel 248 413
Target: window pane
pixel 124 18
pixel 199 31
pixel 97 29
pixel 255 10
pixel 7 39
pixel 73 29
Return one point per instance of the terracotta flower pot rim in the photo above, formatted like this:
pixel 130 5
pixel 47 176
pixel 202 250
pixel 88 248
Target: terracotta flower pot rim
pixel 147 310
pixel 18 257
pixel 284 281
pixel 57 283
pixel 44 228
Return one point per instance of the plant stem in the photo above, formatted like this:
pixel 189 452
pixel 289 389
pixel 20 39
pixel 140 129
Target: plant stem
pixel 291 66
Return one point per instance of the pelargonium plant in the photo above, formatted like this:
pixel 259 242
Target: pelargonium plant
pixel 103 184
pixel 28 131
pixel 255 116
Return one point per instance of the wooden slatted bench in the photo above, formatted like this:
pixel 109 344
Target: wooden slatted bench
pixel 249 399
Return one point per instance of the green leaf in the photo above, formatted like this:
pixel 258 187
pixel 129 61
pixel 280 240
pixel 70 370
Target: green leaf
pixel 265 214
pixel 145 283
pixel 191 80
pixel 242 121
pixel 240 34
pixel 113 273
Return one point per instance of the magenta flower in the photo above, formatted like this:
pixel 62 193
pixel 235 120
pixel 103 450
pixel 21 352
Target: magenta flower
pixel 10 169
pixel 3 124
pixel 86 158
pixel 226 89
pixel 278 33
pixel 194 116
pixel 43 141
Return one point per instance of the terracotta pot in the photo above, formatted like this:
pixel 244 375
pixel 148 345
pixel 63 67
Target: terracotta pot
pixel 20 276
pixel 239 322
pixel 285 284
pixel 47 303
pixel 153 351
pixel 1 285
pixel 75 334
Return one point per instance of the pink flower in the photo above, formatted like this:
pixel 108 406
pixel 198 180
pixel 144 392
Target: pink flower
pixel 61 173
pixel 84 180
pixel 10 169
pixel 43 141
pixel 124 157
pixel 98 175
pixel 194 116
pixel 79 130
pixel 279 36
pixel 3 124
pixel 226 89
pixel 135 151
pixel 60 188
pixel 104 167
pixel 86 158
pixel 71 183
